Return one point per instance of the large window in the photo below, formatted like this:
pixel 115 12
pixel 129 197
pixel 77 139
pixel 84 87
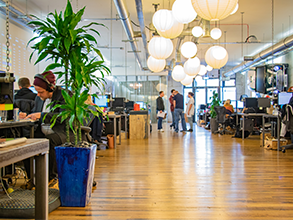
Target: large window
pixel 230 93
pixel 210 93
pixel 200 97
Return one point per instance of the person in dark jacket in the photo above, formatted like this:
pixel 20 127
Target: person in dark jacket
pixel 160 109
pixel 47 92
pixel 24 92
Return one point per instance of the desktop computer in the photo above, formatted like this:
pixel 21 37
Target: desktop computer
pixel 251 103
pixel 264 103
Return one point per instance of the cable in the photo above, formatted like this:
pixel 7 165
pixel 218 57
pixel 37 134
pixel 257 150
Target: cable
pixel 139 26
pixel 5 189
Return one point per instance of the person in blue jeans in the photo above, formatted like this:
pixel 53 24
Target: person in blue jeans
pixel 160 108
pixel 179 111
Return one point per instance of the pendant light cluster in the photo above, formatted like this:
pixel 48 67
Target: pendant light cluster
pixel 170 23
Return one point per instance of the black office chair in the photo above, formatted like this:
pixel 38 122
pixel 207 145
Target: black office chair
pixel 222 120
pixel 289 127
pixel 87 129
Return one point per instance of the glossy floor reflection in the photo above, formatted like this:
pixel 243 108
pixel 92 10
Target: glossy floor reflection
pixel 189 176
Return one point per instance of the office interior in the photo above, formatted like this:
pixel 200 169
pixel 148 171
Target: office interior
pixel 204 174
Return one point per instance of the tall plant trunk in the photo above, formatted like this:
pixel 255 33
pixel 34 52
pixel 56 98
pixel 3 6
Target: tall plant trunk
pixel 75 135
pixel 66 87
pixel 79 132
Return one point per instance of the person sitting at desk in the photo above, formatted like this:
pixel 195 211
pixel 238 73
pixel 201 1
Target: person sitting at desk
pixel 47 92
pixel 24 92
pixel 229 107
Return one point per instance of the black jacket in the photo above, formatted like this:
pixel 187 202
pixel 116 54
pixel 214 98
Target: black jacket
pixel 57 98
pixel 25 93
pixel 160 104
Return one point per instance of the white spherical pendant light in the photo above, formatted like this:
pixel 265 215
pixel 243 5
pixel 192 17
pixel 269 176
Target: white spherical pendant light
pixel 188 49
pixel 197 31
pixel 192 66
pixel 216 33
pixel 209 68
pixel 214 10
pixel 163 20
pixel 183 11
pixel 235 10
pixel 178 73
pixel 156 65
pixel 219 52
pixel 203 70
pixel 160 47
pixel 212 61
pixel 174 31
pixel 187 80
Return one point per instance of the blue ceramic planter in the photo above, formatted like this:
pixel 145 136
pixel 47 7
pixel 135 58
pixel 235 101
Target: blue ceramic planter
pixel 75 172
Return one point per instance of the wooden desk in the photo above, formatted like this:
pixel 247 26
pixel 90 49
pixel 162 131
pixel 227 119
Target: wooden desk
pixel 37 148
pixel 15 124
pixel 115 117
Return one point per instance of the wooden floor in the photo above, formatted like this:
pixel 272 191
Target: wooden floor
pixel 189 176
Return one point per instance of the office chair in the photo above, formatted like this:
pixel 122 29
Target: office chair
pixel 86 130
pixel 289 127
pixel 222 120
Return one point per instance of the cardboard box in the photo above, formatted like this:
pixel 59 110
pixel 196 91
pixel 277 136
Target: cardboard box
pixel 267 136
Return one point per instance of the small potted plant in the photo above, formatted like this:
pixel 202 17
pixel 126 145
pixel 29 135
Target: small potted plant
pixel 215 102
pixel 73 50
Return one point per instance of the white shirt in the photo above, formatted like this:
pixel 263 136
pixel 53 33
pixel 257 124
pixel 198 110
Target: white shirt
pixel 46 127
pixel 190 103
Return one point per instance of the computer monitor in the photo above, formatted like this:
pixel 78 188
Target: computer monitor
pixel 264 102
pixel 239 104
pixel 102 101
pixel 32 88
pixel 260 85
pixel 118 102
pixel 141 104
pixel 284 98
pixel 251 103
pixel 129 104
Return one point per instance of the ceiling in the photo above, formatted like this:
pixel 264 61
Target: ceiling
pixel 257 20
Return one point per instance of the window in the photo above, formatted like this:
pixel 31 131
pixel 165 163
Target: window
pixel 200 82
pixel 210 93
pixel 213 82
pixel 230 82
pixel 200 97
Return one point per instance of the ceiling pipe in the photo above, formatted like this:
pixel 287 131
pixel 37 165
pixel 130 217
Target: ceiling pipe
pixel 17 15
pixel 140 17
pixel 263 55
pixel 126 22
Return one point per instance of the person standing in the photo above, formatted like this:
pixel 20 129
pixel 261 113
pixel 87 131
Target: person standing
pixel 179 111
pixel 172 108
pixel 160 109
pixel 190 110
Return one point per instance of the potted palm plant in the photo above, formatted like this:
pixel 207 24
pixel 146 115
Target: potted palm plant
pixel 73 51
pixel 215 102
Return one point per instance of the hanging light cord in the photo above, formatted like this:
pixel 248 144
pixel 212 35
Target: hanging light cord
pixel 272 31
pixel 7 38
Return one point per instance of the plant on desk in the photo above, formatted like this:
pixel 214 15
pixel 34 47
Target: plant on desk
pixel 215 102
pixel 73 50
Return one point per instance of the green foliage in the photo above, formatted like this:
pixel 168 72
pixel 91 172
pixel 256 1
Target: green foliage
pixel 73 50
pixel 215 102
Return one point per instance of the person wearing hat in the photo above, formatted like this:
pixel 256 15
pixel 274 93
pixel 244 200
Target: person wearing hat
pixel 47 92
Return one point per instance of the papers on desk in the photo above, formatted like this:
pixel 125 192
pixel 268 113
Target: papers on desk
pixel 161 114
pixel 11 141
pixel 31 120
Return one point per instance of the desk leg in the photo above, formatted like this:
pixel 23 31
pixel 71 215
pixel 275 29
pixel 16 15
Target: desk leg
pixel 115 133
pixel 263 131
pixel 126 122
pixel 278 132
pixel 236 119
pixel 32 133
pixel 119 128
pixel 243 119
pixel 41 196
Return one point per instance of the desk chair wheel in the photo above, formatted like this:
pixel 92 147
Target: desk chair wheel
pixel 94 183
pixel 284 150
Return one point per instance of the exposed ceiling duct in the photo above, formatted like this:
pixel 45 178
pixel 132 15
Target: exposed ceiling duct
pixel 126 22
pixel 142 26
pixel 263 55
pixel 16 15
